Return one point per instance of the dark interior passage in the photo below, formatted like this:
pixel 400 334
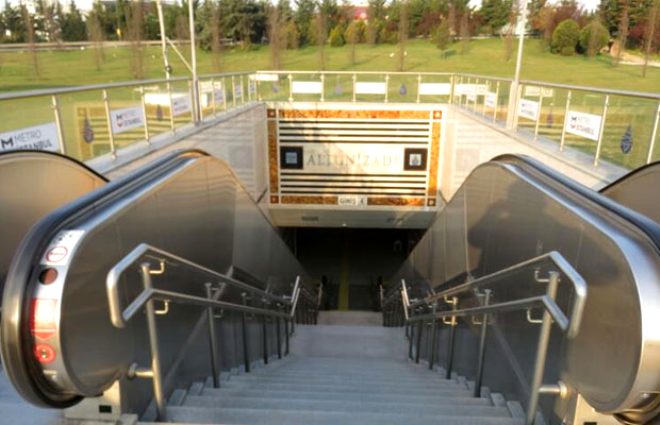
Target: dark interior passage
pixel 352 263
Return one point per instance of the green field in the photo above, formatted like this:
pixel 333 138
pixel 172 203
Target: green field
pixel 486 57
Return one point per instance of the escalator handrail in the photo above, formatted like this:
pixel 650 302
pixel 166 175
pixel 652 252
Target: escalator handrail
pixel 576 280
pixel 625 177
pixel 15 349
pixel 119 317
pixel 58 155
pixel 649 227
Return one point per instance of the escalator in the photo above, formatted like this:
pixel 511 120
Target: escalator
pixel 59 343
pixel 513 209
pixel 638 190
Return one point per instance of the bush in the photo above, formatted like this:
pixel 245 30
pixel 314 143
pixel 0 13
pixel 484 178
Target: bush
pixel 337 36
pixel 355 32
pixel 292 35
pixel 593 38
pixel 565 37
pixel 441 36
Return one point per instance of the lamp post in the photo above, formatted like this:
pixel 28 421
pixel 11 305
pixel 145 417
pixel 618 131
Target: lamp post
pixel 513 94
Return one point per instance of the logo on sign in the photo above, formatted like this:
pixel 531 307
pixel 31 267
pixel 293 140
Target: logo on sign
pixel 41 137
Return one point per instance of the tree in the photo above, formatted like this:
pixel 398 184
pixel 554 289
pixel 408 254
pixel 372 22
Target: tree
pixel 12 18
pixel 321 38
pixel 292 36
pixel 73 25
pixel 355 34
pixel 336 37
pixel 465 31
pixel 622 32
pixel 441 36
pixel 403 34
pixel 650 34
pixel 96 36
pixel 496 13
pixel 565 37
pixel 274 36
pixel 304 18
pixel 135 33
pixel 593 38
pixel 376 13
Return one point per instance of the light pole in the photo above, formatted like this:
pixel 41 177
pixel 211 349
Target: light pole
pixel 513 94
pixel 193 59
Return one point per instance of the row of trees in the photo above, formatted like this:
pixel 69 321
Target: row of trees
pixel 291 25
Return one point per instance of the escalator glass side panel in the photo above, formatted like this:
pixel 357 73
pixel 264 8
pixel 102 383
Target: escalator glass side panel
pixel 638 190
pixel 507 212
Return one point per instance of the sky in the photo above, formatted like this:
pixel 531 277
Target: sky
pixel 87 4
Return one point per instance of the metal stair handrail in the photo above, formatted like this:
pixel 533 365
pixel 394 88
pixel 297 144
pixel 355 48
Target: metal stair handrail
pixel 144 254
pixel 552 313
pixel 119 317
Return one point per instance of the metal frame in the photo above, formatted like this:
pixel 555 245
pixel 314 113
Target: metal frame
pixel 144 255
pixel 415 312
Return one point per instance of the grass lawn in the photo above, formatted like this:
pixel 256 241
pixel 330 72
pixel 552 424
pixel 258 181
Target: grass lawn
pixel 486 57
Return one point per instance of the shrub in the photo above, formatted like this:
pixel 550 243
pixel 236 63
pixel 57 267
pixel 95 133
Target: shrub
pixel 441 35
pixel 593 38
pixel 337 36
pixel 565 37
pixel 292 35
pixel 355 32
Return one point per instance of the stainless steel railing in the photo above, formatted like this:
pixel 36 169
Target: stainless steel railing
pixel 83 115
pixel 421 311
pixel 274 306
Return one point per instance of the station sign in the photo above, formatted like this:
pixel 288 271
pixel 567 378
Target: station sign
pixel 528 109
pixel 437 89
pixel 180 105
pixel 39 137
pixel 582 124
pixel 347 158
pixel 490 100
pixel 126 119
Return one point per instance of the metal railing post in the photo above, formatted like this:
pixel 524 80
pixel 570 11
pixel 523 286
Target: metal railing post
pixel 58 124
pixel 538 116
pixel 654 134
pixel 246 346
pixel 157 376
pixel 111 137
pixel 387 87
pixel 286 336
pixel 433 336
pixel 233 91
pixel 212 338
pixel 419 88
pixel 278 323
pixel 290 88
pixel 418 343
pixel 482 347
pixel 264 332
pixel 497 101
pixel 452 88
pixel 601 130
pixel 452 337
pixel 169 98
pixel 242 90
pixel 213 96
pixel 322 87
pixel 541 351
pixel 147 136
pixel 410 341
pixel 354 84
pixel 224 93
pixel 562 141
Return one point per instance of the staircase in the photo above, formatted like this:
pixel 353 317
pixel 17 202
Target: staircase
pixel 341 375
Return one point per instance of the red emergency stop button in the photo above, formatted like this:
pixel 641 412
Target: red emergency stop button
pixel 44 353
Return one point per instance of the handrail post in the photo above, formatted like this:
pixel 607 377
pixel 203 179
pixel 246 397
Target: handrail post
pixel 433 336
pixel 278 323
pixel 541 351
pixel 603 117
pixel 410 341
pixel 562 140
pixel 452 337
pixel 58 123
pixel 147 136
pixel 233 91
pixel 286 336
pixel 212 337
pixel 111 136
pixel 418 343
pixel 654 133
pixel 157 378
pixel 246 347
pixel 482 347
pixel 264 331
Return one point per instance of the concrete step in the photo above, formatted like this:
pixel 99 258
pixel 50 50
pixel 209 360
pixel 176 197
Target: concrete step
pixel 427 397
pixel 432 380
pixel 187 414
pixel 348 387
pixel 450 406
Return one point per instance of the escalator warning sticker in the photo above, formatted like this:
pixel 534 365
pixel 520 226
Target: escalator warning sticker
pixel 60 248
